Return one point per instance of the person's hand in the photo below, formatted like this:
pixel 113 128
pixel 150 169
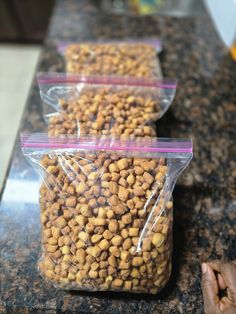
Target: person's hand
pixel 216 276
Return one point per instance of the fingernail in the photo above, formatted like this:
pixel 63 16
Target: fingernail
pixel 204 268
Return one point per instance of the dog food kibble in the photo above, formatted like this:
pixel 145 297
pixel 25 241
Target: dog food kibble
pixel 131 59
pixel 102 227
pixel 117 110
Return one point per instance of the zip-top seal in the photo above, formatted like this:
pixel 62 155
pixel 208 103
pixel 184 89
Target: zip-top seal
pixel 64 78
pixel 154 42
pixel 154 145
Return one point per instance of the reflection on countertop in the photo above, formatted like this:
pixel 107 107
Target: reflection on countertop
pixel 204 198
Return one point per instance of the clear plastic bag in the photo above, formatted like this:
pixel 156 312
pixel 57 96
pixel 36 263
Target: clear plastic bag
pixel 106 210
pixel 104 105
pixel 136 58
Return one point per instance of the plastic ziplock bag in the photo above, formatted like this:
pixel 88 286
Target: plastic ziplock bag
pixel 153 42
pixel 136 58
pixel 106 210
pixel 104 105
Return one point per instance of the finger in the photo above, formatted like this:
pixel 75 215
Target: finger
pixel 228 273
pixel 209 289
pixel 216 265
pixel 221 282
pixel 225 305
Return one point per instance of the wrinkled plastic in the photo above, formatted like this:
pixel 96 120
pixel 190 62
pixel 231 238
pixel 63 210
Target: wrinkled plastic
pixel 104 105
pixel 137 58
pixel 106 210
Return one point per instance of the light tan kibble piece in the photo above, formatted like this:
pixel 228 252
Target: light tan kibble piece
pixel 124 265
pixel 71 276
pixel 137 261
pixel 138 191
pixel 123 194
pixel 87 169
pixel 135 240
pixel 131 179
pixel 163 169
pixel 147 244
pixel 113 168
pixel 95 251
pixel 126 219
pixel 127 244
pixel 143 269
pixel 89 227
pixel 81 255
pixel 67 240
pixel 93 274
pixel 114 200
pixel 111 270
pixel 112 261
pixel 52 169
pixel 80 244
pixel 55 232
pixel 146 257
pixel 61 222
pixel 47 233
pixel 125 256
pixel 123 182
pixel 109 280
pixel 124 233
pixel 135 273
pixel 96 238
pixel 119 209
pixel 113 226
pixel 71 201
pixel 51 248
pixel 102 273
pixel 81 220
pixel 161 249
pixel 94 266
pixel 99 221
pixel 81 188
pixel 148 178
pixel 128 285
pixel 48 263
pixel 83 236
pixel 135 282
pixel 165 229
pixel 133 232
pixel 158 239
pixel 130 204
pixel 159 177
pixel 169 205
pixel 65 249
pixel 117 240
pixel 122 164
pixel 107 234
pixel 114 251
pixel 94 176
pixel 110 214
pixel 117 283
pixel 113 187
pixel 138 170
pixel 104 244
pixel 102 212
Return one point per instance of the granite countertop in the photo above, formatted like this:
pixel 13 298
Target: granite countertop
pixel 204 197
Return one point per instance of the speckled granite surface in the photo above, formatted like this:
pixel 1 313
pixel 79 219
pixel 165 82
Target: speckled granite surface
pixel 205 196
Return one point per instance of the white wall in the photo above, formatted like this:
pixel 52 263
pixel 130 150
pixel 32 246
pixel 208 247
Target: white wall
pixel 223 13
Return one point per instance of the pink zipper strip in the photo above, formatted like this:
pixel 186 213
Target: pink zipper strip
pixel 155 43
pixel 161 146
pixel 55 78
